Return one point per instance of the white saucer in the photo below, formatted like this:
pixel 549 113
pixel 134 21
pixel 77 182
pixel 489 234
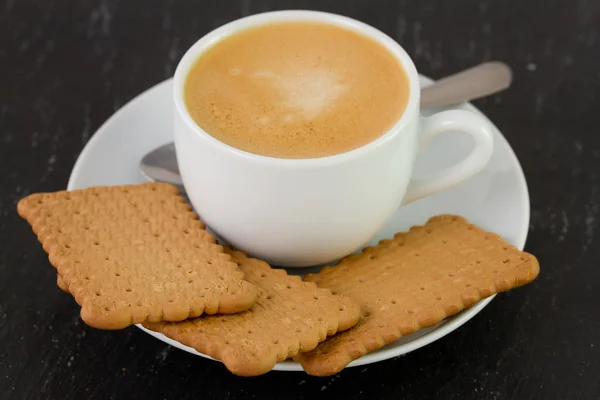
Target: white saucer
pixel 496 199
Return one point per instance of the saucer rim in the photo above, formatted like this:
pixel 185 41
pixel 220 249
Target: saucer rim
pixel 425 336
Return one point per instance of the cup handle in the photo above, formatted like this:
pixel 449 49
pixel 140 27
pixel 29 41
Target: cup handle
pixel 446 121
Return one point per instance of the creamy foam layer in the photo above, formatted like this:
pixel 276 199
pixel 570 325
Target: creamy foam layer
pixel 296 90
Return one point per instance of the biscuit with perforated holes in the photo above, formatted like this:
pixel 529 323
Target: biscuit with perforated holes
pixel 415 281
pixel 135 253
pixel 289 316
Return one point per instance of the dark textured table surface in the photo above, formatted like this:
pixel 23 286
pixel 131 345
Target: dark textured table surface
pixel 67 65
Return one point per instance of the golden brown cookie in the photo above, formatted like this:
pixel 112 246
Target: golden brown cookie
pixel 135 253
pixel 61 284
pixel 289 316
pixel 414 281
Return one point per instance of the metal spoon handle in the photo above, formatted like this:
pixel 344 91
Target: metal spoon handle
pixel 473 83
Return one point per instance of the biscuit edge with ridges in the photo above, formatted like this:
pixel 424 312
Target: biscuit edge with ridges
pixel 28 210
pixel 249 366
pixel 314 366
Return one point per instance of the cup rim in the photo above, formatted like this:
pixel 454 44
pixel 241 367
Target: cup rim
pixel 238 25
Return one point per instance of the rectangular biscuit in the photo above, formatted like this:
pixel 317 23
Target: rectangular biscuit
pixel 135 253
pixel 415 281
pixel 289 316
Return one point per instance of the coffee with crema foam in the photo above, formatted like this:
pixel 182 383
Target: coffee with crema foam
pixel 296 90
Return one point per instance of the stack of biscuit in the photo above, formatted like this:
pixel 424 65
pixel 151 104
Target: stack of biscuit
pixel 138 254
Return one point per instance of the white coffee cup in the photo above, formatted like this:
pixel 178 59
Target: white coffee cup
pixel 312 211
